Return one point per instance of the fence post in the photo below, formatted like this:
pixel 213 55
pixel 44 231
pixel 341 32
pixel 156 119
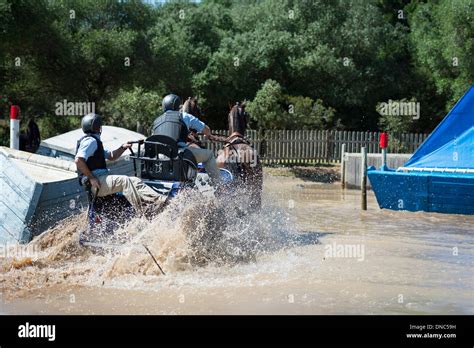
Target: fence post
pixel 315 146
pixel 343 166
pixel 363 178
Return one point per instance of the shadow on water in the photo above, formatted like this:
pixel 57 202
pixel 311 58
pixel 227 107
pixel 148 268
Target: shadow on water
pixel 322 174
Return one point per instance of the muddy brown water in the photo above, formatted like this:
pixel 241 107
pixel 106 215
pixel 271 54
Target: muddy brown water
pixel 315 252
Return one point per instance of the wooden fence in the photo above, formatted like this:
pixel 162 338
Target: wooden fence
pixel 319 146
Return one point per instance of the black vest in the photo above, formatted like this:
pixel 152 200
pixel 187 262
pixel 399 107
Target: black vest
pixel 97 160
pixel 171 124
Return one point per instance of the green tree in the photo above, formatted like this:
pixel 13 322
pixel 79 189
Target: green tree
pixel 272 109
pixel 183 40
pixel 395 122
pixel 333 61
pixel 257 48
pixel 133 109
pixel 305 113
pixel 266 108
pixel 75 50
pixel 442 34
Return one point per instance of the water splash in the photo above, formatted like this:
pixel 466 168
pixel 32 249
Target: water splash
pixel 192 232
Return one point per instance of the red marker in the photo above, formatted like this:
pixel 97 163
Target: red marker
pixel 15 127
pixel 383 146
pixel 383 140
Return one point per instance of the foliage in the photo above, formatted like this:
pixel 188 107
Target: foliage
pixel 395 122
pixel 4 136
pixel 266 108
pixel 443 40
pixel 133 108
pixel 306 113
pixel 272 109
pixel 302 64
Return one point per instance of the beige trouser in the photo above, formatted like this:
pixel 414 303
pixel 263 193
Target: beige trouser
pixel 207 157
pixel 135 190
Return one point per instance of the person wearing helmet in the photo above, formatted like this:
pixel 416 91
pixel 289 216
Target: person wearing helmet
pixel 176 125
pixel 92 168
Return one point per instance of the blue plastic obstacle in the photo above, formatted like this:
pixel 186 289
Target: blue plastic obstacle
pixel 439 177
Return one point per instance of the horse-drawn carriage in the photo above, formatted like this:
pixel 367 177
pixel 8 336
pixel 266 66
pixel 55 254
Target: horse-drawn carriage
pixel 169 169
pixel 164 167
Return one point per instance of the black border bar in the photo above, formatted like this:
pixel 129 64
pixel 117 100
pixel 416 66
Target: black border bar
pixel 243 330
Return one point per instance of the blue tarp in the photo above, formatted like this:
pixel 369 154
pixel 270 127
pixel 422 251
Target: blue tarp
pixel 451 145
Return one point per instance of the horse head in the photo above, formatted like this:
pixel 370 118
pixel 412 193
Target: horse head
pixel 191 106
pixel 238 119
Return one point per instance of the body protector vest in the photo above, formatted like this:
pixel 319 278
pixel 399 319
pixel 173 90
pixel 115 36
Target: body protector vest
pixel 171 124
pixel 96 161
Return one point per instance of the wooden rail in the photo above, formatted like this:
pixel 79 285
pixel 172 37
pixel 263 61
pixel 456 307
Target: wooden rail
pixel 299 147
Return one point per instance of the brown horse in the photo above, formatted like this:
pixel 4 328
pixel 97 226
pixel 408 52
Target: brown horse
pixel 191 107
pixel 243 196
pixel 240 158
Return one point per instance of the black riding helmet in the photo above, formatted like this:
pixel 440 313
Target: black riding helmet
pixel 171 102
pixel 91 123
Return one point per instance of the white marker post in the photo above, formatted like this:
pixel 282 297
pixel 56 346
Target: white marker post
pixel 343 166
pixel 15 127
pixel 383 146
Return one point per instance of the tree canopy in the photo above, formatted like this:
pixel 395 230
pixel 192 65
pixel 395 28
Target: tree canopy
pixel 300 64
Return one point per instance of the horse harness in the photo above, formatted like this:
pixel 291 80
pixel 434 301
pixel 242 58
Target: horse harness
pixel 231 142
